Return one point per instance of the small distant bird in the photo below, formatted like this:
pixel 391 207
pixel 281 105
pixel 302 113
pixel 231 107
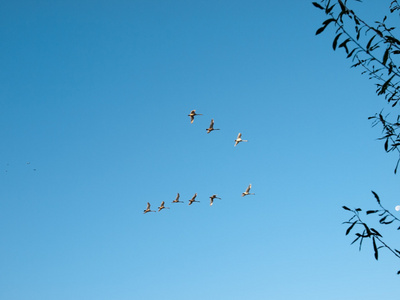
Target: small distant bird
pixel 192 114
pixel 211 127
pixel 177 199
pixel 192 200
pixel 239 139
pixel 148 209
pixel 161 207
pixel 212 199
pixel 247 192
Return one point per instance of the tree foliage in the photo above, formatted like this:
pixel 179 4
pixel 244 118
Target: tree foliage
pixel 374 48
pixel 364 231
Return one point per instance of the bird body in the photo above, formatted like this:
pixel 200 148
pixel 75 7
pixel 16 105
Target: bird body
pixel 212 199
pixel 247 192
pixel 211 128
pixel 193 199
pixel 177 199
pixel 239 139
pixel 148 209
pixel 192 114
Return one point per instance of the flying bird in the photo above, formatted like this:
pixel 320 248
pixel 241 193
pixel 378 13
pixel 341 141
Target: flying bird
pixel 148 208
pixel 192 114
pixel 239 139
pixel 247 192
pixel 161 207
pixel 211 128
pixel 177 199
pixel 192 200
pixel 212 199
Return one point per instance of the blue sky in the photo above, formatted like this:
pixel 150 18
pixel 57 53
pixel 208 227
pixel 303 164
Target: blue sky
pixel 95 96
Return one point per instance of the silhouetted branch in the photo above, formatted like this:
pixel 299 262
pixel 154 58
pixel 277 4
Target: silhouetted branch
pixel 376 50
pixel 365 231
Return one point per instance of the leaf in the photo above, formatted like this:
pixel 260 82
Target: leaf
pixel 351 53
pixel 386 145
pixel 369 233
pixel 389 222
pixel 335 41
pixel 328 10
pixel 317 5
pixel 378 32
pixel 392 40
pixel 385 85
pixel 346 208
pixel 385 56
pixel 382 220
pixel 369 43
pixel 320 30
pixel 371 211
pixel 358 209
pixel 375 249
pixel 355 239
pixel 382 119
pixel 357 64
pixel 344 42
pixel 395 170
pixel 376 197
pixel 376 232
pixel 328 21
pixel 359 248
pixel 351 227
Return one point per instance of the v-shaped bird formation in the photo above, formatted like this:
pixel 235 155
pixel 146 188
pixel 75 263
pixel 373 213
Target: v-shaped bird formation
pixel 238 140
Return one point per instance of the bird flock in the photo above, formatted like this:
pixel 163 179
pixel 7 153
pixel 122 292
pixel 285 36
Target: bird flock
pixel 193 199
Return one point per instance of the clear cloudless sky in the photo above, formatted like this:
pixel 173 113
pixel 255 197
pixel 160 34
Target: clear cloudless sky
pixel 94 98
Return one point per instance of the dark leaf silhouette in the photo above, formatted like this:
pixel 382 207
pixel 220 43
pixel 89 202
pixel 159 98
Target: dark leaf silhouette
pixel 351 227
pixel 320 30
pixel 376 197
pixel 375 249
pixel 317 5
pixel 334 44
pixel 386 56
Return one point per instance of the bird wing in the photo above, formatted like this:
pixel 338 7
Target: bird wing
pixel 239 136
pixel 212 123
pixel 177 197
pixel 162 204
pixel 148 206
pixel 194 197
pixel 248 188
